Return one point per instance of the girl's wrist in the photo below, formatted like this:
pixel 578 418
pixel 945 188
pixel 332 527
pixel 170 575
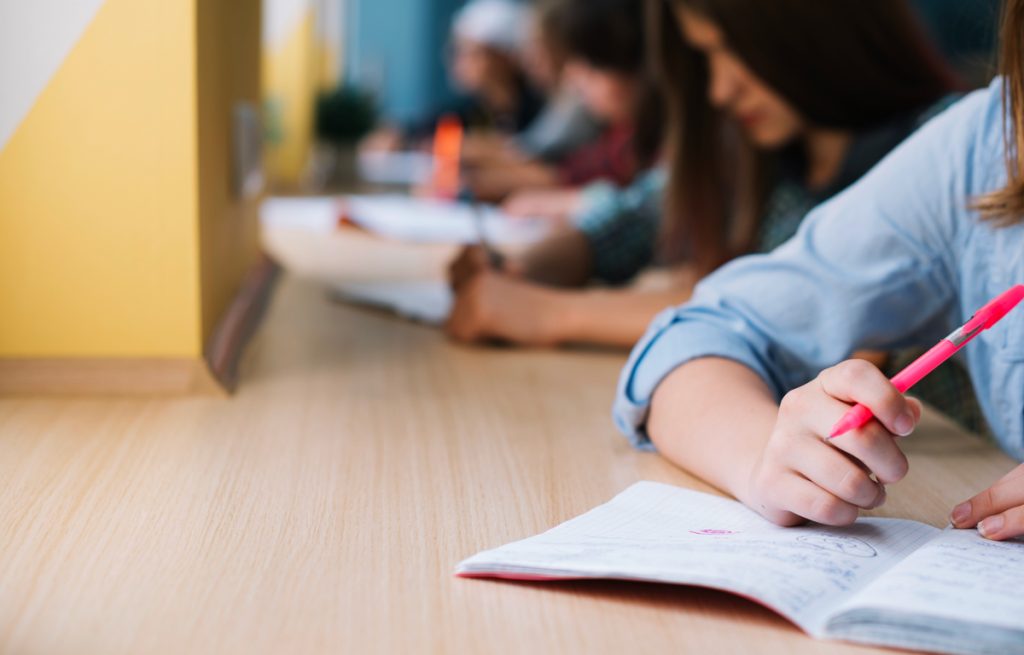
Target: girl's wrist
pixel 741 486
pixel 559 316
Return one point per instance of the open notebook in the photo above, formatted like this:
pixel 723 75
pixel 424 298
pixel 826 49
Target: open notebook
pixel 880 581
pixel 426 220
pixel 404 218
pixel 425 301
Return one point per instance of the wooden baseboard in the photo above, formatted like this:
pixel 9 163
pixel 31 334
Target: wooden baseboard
pixel 86 376
pixel 217 374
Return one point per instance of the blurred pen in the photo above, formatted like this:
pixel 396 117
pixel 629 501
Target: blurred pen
pixel 494 258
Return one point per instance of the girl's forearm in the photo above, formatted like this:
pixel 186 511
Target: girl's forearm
pixel 613 317
pixel 712 417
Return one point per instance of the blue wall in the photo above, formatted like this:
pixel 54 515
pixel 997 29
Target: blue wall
pixel 396 47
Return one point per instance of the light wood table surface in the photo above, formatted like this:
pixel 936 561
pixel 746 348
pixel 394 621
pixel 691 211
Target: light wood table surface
pixel 323 508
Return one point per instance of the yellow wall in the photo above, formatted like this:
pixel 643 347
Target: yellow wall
pixel 119 233
pixel 97 187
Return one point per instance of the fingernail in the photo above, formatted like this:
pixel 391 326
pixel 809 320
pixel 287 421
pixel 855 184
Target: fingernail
pixel 991 525
pixel 961 513
pixel 904 424
pixel 880 500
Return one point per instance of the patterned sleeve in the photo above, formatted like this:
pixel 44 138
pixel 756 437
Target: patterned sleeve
pixel 621 225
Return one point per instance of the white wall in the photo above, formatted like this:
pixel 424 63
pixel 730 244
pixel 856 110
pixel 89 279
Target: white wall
pixel 35 37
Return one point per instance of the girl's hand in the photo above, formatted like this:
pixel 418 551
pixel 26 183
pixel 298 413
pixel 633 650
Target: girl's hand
pixel 998 512
pixel 491 305
pixel 803 475
pixel 472 261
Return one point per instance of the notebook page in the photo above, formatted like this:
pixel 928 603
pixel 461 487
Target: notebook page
pixel 956 581
pixel 426 301
pixel 657 532
pixel 425 220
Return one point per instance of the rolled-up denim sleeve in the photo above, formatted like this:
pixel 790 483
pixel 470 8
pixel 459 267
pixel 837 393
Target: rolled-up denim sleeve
pixel 874 268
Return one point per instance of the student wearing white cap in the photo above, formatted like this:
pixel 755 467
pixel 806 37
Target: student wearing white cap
pixel 484 59
pixel 485 63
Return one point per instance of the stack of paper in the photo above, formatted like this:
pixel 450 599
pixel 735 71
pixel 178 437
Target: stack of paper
pixel 403 218
pixel 439 221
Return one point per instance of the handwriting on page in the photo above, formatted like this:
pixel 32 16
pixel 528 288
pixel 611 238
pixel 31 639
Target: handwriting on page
pixel 958 575
pixel 797 571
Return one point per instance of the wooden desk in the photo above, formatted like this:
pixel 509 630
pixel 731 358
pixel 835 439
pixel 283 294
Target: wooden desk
pixel 323 507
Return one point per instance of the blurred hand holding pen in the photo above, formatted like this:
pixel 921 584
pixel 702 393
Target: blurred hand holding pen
pixel 447 181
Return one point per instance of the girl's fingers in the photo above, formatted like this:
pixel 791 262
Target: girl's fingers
pixel 872 444
pixel 1007 525
pixel 468 263
pixel 858 381
pixel 464 322
pixel 829 469
pixel 877 449
pixel 804 498
pixel 916 408
pixel 1006 493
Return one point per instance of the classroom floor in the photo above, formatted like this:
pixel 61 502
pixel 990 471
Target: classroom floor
pixel 323 507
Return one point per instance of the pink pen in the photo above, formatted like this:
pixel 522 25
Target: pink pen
pixel 983 319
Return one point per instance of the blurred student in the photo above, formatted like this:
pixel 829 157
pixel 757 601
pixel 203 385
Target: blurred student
pixel 903 257
pixel 964 32
pixel 563 125
pixel 602 43
pixel 488 38
pixel 762 127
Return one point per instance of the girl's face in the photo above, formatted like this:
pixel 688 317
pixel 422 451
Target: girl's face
pixel 766 117
pixel 608 95
pixel 473 65
pixel 538 60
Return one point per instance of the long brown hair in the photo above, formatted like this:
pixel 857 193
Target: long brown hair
pixel 1006 206
pixel 841 65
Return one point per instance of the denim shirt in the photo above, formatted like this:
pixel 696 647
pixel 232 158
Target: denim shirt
pixel 896 260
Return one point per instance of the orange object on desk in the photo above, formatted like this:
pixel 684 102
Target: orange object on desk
pixel 447 157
